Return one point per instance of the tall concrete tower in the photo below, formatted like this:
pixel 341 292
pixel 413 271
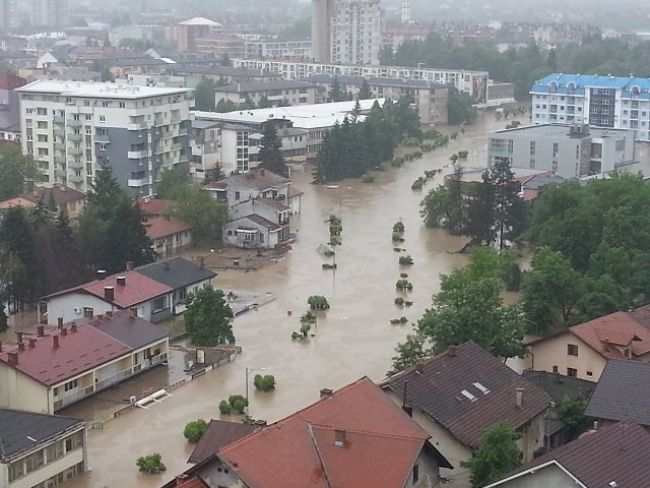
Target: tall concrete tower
pixel 321 30
pixel 406 12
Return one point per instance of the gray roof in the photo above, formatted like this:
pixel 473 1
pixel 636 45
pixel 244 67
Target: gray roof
pixel 134 332
pixel 261 221
pixel 558 386
pixel 622 392
pixel 176 272
pixel 558 130
pixel 376 81
pixel 205 124
pixel 21 431
pixel 539 181
pixel 188 68
pixel 219 434
pixel 264 86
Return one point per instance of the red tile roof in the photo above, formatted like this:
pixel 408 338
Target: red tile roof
pixel 158 227
pixel 78 351
pixel 192 483
pixel 380 448
pixel 17 202
pixel 154 206
pixel 611 334
pixel 466 390
pixel 618 453
pixel 60 194
pixel 138 289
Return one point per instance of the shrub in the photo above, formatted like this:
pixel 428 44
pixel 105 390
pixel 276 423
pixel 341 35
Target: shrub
pixel 394 321
pixel 308 318
pixel 404 285
pixel 418 184
pixel 399 301
pixel 408 303
pixel 194 430
pixel 318 302
pixel 405 260
pixel 463 154
pixel 398 228
pixel 368 178
pixel 397 237
pixel 151 464
pixel 295 336
pixel 238 403
pixel 403 275
pixel 264 382
pixel 225 408
pixel 304 329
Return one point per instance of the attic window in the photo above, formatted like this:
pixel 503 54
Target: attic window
pixel 481 388
pixel 468 395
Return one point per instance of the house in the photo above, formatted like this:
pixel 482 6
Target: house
pixel 281 92
pixel 129 290
pixel 622 394
pixel 181 275
pixel 582 351
pixel 67 199
pixel 168 234
pixel 353 437
pixel 218 434
pixel 460 393
pixel 38 450
pixel 49 368
pixel 613 457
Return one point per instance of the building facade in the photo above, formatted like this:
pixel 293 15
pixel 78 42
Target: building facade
pixel 600 101
pixel 570 151
pixel 474 83
pixel 281 92
pixel 278 49
pixel 8 18
pixel 49 13
pixel 72 129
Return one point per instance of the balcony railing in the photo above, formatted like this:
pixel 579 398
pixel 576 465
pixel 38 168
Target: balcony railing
pixel 102 138
pixel 58 119
pixel 74 178
pixel 75 165
pixel 137 154
pixel 75 137
pixel 74 123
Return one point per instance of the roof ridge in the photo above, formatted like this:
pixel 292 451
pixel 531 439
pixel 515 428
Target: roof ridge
pixel 369 432
pixel 319 455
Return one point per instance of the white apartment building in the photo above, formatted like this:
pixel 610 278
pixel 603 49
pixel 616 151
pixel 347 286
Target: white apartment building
pixel 346 31
pixel 473 83
pixel 600 101
pixel 49 13
pixel 8 17
pixel 72 129
pixel 278 49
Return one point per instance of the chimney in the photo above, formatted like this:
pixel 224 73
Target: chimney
pixel 109 293
pixel 13 358
pixel 109 313
pixel 55 341
pixel 40 331
pixel 89 312
pixel 451 352
pixel 59 322
pixel 519 398
pixel 101 274
pixel 21 346
pixel 73 327
pixel 32 343
pixel 339 437
pixel 64 331
pixel 202 262
pixel 121 280
pixel 19 335
pixel 129 265
pixel 0 346
pixel 325 393
pixel 595 424
pixel 181 479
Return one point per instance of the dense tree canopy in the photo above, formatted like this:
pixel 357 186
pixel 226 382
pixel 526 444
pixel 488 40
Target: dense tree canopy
pixel 270 150
pixel 17 172
pixel 208 318
pixel 204 95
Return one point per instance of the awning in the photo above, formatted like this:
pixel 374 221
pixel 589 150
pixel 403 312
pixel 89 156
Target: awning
pixel 246 231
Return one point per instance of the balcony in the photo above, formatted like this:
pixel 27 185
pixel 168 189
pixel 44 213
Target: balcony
pixel 74 178
pixel 75 165
pixel 136 183
pixel 143 153
pixel 102 138
pixel 59 146
pixel 59 160
pixel 75 151
pixel 74 123
pixel 137 126
pixel 58 119
pixel 75 137
pixel 59 132
pixel 60 173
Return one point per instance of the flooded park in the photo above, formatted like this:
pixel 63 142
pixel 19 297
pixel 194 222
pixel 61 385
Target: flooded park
pixel 352 339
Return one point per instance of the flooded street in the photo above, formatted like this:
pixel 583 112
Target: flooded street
pixel 352 339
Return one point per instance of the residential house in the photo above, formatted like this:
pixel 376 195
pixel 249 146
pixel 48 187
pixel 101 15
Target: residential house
pixel 38 450
pixel 612 457
pixel 350 438
pixel 219 434
pixel 179 274
pixel 168 234
pixel 51 367
pixel 622 394
pixel 63 198
pixel 582 351
pixel 129 290
pixel 457 395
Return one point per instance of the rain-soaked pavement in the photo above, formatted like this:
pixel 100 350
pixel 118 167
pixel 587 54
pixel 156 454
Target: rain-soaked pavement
pixel 354 338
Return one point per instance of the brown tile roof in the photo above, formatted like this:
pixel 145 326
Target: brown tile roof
pixel 158 227
pixel 17 202
pixel 380 448
pixel 154 206
pixel 618 453
pixel 60 194
pixel 260 179
pixel 467 390
pixel 191 483
pixel 641 315
pixel 611 334
pixel 218 434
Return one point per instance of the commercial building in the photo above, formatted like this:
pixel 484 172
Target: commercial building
pixel 8 18
pixel 600 101
pixel 40 450
pixel 72 129
pixel 51 367
pixel 264 49
pixel 429 98
pixel 281 92
pixel 49 13
pixel 570 151
pixel 474 83
pixel 185 35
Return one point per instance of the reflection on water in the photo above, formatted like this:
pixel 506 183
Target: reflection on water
pixel 354 338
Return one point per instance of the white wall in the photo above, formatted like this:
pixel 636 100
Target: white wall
pixel 548 477
pixel 64 306
pixel 20 392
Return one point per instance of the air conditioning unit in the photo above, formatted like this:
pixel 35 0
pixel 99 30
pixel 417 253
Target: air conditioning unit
pixel 132 400
pixel 77 310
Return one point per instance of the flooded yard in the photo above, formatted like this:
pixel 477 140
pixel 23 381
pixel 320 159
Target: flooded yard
pixel 352 339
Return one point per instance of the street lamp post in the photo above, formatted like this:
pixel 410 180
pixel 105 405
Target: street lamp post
pixel 248 371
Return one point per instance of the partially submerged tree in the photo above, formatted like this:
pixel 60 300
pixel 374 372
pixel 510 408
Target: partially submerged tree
pixel 208 318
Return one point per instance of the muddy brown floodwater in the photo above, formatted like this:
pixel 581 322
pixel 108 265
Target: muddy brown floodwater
pixel 354 338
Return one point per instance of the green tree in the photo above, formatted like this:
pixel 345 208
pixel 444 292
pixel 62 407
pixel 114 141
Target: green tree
pixel 409 353
pixel 497 456
pixel 202 213
pixel 208 318
pixel 172 182
pixel 264 102
pixel 17 247
pixel 151 464
pixel 460 107
pixel 271 150
pixel 18 173
pixel 509 209
pixel 204 95
pixel 571 411
pixel 481 211
pixel 194 430
pixel 336 93
pixel 4 324
pixel 364 92
pixel 225 106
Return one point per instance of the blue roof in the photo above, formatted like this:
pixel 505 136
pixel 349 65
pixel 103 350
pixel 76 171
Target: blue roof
pixel 561 83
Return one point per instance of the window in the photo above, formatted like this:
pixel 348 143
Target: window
pixel 70 385
pixel 589 373
pixel 532 148
pixel 416 473
pixel 102 118
pixel 572 372
pixel 555 369
pixel 41 124
pixel 572 349
pixel 159 304
pixel 236 195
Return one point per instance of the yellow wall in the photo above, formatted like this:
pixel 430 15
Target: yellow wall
pixel 532 437
pixel 20 392
pixel 553 352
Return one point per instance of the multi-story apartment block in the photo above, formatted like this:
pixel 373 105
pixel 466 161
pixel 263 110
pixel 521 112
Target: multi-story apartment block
pixel 72 129
pixel 278 49
pixel 600 101
pixel 49 13
pixel 473 83
pixel 281 92
pixel 569 151
pixel 8 18
pixel 346 31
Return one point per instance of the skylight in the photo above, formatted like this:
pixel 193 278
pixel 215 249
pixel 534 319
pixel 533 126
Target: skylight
pixel 481 388
pixel 468 395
